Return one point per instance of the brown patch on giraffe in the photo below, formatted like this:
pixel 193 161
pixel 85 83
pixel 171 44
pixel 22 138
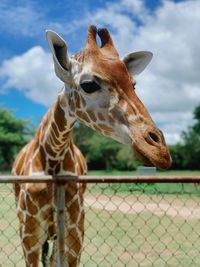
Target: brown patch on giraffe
pixel 19 161
pixel 55 137
pixel 27 170
pixel 100 116
pixel 75 95
pixel 82 115
pixel 68 163
pixel 91 115
pixel 81 165
pixel 79 158
pixel 49 150
pixel 55 129
pixel 51 230
pixel 71 189
pixel 82 190
pixel 52 163
pixel 57 169
pixel 31 207
pixel 111 120
pixel 105 128
pixel 59 116
pixel 31 224
pixel 56 141
pixel 66 136
pixel 71 260
pixel 72 237
pixel 30 241
pixel 78 102
pixel 32 148
pixel 39 163
pixel 116 114
pixel 62 152
pixel 32 257
pixel 48 214
pixel 16 189
pixel 41 193
pixel 96 128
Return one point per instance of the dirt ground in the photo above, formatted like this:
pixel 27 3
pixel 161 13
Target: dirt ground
pixel 189 209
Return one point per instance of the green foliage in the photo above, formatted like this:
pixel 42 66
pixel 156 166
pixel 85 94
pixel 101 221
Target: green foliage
pixel 176 152
pixel 13 135
pixel 187 154
pixel 81 134
pixel 102 152
pixel 125 159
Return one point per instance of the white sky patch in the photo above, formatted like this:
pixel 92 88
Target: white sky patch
pixel 33 74
pixel 169 88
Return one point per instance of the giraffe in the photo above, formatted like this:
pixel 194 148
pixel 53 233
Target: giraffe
pixel 99 91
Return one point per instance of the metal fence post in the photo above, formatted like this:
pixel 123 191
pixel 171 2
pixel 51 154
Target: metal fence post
pixel 60 217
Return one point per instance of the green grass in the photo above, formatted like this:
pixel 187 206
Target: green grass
pixel 135 173
pixel 151 188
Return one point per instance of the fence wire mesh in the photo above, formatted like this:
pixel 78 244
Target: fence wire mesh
pixel 125 225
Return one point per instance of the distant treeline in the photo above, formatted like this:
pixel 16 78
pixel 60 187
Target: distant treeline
pixel 186 155
pixel 101 152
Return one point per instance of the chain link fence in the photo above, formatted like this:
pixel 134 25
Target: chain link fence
pixel 126 224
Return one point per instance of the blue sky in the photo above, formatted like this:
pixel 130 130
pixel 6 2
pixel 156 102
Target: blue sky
pixel 170 85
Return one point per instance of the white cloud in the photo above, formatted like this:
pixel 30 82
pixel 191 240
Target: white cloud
pixel 33 74
pixel 170 87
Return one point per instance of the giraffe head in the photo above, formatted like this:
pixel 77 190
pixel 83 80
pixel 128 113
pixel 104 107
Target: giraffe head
pixel 100 91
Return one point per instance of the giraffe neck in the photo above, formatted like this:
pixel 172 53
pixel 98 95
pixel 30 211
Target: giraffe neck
pixel 54 136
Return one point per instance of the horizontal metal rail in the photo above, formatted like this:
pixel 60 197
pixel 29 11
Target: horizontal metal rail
pixel 98 179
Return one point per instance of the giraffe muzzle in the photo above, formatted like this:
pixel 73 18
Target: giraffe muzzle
pixel 152 150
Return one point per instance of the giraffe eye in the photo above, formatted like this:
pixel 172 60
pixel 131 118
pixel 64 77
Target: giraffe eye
pixel 90 87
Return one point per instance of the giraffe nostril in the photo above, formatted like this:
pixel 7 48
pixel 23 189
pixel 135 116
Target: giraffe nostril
pixel 152 138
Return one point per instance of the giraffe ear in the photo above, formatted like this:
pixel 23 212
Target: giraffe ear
pixel 59 51
pixel 137 62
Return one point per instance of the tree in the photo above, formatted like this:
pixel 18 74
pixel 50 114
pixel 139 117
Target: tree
pixel 102 152
pixel 81 134
pixel 187 154
pixel 177 154
pixel 125 159
pixel 14 133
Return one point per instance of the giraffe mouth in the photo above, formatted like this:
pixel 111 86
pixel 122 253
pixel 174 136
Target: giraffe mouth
pixel 161 160
pixel 142 157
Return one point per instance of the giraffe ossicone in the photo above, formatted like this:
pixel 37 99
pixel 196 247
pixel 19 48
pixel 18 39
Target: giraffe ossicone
pixel 99 91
